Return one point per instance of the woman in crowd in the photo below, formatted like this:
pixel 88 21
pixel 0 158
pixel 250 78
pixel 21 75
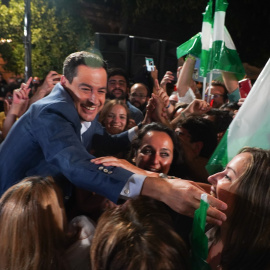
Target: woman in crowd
pixel 155 151
pixel 242 242
pixel 115 116
pixel 34 231
pixel 137 235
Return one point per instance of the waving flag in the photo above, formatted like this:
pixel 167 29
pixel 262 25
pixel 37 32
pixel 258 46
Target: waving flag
pixel 250 127
pixel 206 38
pixel 192 46
pixel 224 56
pixel 214 45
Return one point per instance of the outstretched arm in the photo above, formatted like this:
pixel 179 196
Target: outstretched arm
pixel 113 161
pixel 183 197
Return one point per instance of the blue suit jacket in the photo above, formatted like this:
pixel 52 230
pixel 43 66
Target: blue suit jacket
pixel 46 141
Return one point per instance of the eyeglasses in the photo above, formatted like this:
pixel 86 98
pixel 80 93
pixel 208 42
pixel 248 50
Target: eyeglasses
pixel 114 82
pixel 137 95
pixel 214 96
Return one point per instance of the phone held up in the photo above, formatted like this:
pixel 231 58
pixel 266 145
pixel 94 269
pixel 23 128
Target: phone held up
pixel 244 87
pixel 150 66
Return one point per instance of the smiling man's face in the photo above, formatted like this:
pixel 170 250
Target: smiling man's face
pixel 117 87
pixel 88 90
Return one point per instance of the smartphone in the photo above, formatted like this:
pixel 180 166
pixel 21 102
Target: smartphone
pixel 244 87
pixel 150 66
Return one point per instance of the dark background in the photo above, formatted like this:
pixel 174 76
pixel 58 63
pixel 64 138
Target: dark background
pixel 247 21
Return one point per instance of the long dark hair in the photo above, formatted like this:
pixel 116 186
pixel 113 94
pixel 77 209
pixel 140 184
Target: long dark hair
pixel 247 244
pixel 177 166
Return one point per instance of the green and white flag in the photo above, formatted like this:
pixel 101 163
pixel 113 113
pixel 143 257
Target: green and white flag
pixel 214 46
pixel 224 56
pixel 206 39
pixel 192 46
pixel 199 241
pixel 250 127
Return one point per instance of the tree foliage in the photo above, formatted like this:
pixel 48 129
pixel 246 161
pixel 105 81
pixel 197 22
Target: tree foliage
pixel 55 33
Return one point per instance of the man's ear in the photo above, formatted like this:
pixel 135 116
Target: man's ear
pixel 63 80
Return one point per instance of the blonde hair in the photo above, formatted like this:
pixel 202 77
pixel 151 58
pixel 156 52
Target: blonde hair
pixel 32 224
pixel 107 108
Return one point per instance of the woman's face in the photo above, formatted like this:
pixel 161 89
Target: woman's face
pixel 222 182
pixel 116 119
pixel 155 153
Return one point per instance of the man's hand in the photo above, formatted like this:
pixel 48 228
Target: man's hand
pixel 183 197
pixel 122 163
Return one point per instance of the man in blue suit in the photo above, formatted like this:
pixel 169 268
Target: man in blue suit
pixel 51 138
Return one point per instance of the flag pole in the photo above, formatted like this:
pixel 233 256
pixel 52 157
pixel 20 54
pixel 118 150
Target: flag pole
pixel 27 40
pixel 209 89
pixel 204 87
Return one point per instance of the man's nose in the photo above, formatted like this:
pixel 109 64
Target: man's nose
pixel 118 84
pixel 92 97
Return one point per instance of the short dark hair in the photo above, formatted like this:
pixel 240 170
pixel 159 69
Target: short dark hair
pixel 81 58
pixel 230 106
pixel 201 130
pixel 118 71
pixel 221 84
pixel 222 118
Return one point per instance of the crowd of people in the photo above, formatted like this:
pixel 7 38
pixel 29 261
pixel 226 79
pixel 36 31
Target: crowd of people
pixel 100 172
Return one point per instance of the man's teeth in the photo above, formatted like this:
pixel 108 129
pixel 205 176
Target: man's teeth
pixel 92 108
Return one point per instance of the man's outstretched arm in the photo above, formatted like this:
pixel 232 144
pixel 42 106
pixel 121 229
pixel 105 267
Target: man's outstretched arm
pixel 183 197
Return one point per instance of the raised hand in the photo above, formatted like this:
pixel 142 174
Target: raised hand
pixel 50 81
pixel 197 107
pixel 168 78
pixel 18 107
pixel 20 99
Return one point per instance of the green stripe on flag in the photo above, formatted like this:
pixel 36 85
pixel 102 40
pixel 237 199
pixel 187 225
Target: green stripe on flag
pixel 219 158
pixel 199 241
pixel 192 46
pixel 221 5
